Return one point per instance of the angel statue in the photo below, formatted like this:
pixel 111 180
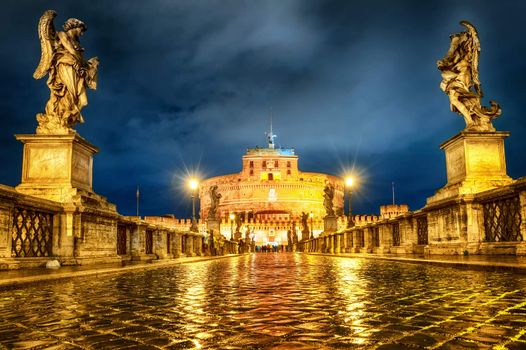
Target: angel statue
pixel 460 81
pixel 214 202
pixel 328 196
pixel 69 74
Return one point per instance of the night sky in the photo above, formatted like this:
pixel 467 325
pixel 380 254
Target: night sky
pixel 187 86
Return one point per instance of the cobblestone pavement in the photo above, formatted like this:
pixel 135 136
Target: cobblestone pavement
pixel 272 301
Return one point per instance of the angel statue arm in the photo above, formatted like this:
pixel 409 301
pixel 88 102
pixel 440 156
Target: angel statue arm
pixel 68 74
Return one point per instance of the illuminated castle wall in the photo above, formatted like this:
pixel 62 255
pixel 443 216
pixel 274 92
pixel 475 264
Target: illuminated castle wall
pixel 271 191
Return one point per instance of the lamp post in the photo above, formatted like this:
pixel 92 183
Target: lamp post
pixel 194 184
pixel 349 183
pixel 232 217
pixel 311 215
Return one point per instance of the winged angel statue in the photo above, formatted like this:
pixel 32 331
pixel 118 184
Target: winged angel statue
pixel 69 74
pixel 328 197
pixel 460 80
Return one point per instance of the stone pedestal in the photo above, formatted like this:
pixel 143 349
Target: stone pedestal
pixel 59 168
pixel 55 167
pixel 330 224
pixel 213 225
pixel 475 162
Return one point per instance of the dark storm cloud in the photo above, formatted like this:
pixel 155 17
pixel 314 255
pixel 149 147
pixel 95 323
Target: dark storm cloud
pixel 189 85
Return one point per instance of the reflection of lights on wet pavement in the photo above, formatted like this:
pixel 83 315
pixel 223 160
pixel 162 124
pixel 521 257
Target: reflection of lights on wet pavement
pixel 271 300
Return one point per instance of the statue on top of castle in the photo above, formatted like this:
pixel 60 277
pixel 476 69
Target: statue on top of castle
pixel 328 197
pixel 460 81
pixel 69 74
pixel 214 202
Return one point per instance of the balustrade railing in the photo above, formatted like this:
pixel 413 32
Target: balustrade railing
pixel 121 240
pixel 149 242
pixel 395 227
pixel 31 233
pixel 422 232
pixel 502 220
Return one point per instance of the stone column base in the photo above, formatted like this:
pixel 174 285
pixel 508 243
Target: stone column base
pixel 56 167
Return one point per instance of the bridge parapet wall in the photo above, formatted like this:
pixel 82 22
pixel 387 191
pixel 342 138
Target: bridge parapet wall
pixel 490 222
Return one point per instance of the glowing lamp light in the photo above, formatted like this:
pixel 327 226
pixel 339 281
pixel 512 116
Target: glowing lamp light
pixel 232 216
pixel 311 215
pixel 194 184
pixel 348 182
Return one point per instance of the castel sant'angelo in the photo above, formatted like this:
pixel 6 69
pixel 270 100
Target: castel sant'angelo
pixel 269 196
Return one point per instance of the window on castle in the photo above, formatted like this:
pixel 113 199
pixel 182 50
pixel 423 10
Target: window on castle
pixel 288 164
pixel 288 172
pixel 251 172
pixel 264 164
pixel 270 176
pixel 251 164
pixel 276 164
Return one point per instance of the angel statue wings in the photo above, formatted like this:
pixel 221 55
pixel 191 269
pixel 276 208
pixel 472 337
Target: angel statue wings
pixel 460 81
pixel 68 74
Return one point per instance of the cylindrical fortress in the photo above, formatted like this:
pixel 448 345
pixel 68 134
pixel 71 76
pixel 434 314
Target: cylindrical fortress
pixel 271 189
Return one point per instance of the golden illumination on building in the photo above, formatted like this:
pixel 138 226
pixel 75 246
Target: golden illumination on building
pixel 269 194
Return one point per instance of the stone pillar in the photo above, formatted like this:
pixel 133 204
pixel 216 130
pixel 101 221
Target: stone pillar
pixel 357 244
pixel 158 244
pixel 345 243
pixel 199 243
pixel 65 233
pixel 337 245
pixel 138 242
pixel 190 245
pixel 176 247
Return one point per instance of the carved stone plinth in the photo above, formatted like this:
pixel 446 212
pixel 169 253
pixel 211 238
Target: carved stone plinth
pixel 475 162
pixel 55 167
pixel 330 224
pixel 214 226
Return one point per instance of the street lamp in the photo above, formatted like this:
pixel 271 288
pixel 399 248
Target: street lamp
pixel 194 185
pixel 311 215
pixel 349 183
pixel 232 217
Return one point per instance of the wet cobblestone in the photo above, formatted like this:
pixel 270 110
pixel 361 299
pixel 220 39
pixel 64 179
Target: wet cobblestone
pixel 272 301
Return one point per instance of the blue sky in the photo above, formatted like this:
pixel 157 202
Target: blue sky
pixel 188 85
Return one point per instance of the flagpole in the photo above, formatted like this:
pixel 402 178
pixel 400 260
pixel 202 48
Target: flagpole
pixel 137 195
